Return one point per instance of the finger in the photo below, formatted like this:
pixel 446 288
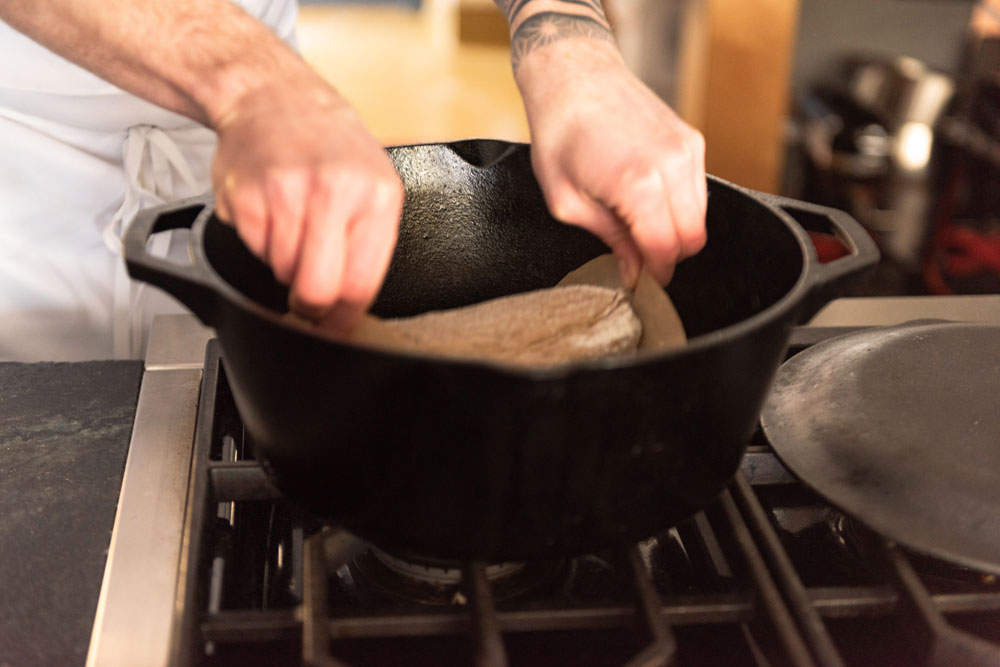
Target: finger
pixel 643 205
pixel 684 178
pixel 371 239
pixel 701 180
pixel 250 215
pixel 702 190
pixel 690 223
pixel 317 282
pixel 222 211
pixel 287 193
pixel 573 207
pixel 220 188
pixel 687 216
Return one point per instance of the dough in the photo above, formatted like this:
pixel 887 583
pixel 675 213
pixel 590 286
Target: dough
pixel 588 315
pixel 661 325
pixel 543 327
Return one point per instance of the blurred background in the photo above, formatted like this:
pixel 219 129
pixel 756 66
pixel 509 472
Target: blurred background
pixel 410 70
pixel 888 109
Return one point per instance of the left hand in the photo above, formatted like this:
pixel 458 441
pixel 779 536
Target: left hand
pixel 311 193
pixel 612 158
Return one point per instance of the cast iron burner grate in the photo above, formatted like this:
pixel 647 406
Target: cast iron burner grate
pixel 763 576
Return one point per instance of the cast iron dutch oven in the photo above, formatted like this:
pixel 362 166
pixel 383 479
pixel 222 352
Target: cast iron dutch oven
pixel 459 459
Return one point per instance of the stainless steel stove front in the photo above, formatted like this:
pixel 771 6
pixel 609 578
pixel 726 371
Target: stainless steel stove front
pixel 137 610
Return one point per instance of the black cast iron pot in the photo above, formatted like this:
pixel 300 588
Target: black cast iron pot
pixel 457 459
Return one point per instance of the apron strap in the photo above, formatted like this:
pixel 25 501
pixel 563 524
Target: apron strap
pixel 157 172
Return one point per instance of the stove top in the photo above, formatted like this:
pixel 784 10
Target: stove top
pixel 768 574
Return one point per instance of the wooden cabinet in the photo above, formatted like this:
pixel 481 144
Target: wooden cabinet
pixel 735 73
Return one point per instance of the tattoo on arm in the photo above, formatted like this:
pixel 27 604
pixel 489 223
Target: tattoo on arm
pixel 512 8
pixel 547 27
pixel 591 4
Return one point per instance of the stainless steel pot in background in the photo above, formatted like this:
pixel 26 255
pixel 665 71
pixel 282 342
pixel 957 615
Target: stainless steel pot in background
pixel 869 141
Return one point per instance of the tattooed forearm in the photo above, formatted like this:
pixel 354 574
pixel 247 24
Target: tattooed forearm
pixel 591 4
pixel 538 23
pixel 513 9
pixel 548 27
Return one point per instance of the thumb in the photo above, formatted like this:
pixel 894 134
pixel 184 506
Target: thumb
pixel 573 207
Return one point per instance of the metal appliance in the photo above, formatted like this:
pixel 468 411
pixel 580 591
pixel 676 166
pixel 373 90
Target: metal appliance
pixel 869 142
pixel 209 565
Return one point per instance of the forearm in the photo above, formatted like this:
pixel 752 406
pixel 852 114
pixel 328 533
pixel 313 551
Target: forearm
pixel 609 155
pixel 196 57
pixel 536 24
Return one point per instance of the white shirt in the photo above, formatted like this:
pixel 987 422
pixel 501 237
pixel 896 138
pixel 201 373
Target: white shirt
pixel 80 157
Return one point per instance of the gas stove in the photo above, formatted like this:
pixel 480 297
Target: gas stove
pixel 209 565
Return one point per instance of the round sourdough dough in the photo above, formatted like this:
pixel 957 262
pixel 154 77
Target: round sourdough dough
pixel 543 327
pixel 588 315
pixel 661 325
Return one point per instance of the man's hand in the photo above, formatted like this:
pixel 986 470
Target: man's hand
pixel 312 194
pixel 308 189
pixel 609 154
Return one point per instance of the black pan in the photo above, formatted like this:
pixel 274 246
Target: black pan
pixel 899 426
pixel 457 459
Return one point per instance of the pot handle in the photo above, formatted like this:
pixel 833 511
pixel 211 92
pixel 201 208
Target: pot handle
pixel 191 284
pixel 828 280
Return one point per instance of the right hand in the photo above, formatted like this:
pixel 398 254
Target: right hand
pixel 311 193
pixel 612 157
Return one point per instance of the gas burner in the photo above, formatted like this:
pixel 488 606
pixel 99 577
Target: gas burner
pixel 382 576
pixel 440 576
pixel 861 543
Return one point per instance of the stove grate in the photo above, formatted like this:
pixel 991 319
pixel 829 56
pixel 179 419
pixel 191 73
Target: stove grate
pixel 262 583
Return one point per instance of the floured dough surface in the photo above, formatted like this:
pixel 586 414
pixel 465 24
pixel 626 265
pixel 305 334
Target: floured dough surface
pixel 543 327
pixel 661 325
pixel 588 315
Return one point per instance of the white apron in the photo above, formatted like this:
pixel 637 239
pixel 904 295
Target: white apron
pixel 78 158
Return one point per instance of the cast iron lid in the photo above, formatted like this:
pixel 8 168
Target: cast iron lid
pixel 900 427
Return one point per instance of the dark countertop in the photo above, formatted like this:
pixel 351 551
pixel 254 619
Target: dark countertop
pixel 64 435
